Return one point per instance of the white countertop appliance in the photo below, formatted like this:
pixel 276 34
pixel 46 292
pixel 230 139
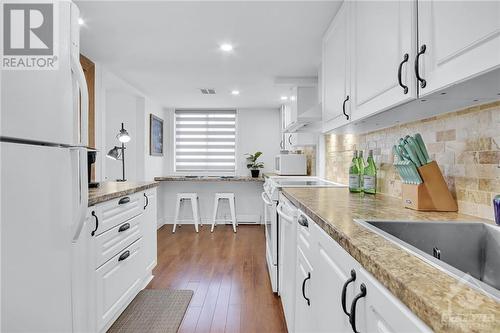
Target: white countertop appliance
pixel 43 139
pixel 290 164
pixel 271 197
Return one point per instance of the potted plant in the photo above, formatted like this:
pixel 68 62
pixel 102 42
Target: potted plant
pixel 253 165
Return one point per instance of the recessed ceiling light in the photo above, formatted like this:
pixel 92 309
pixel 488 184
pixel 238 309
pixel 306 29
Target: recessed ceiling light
pixel 226 47
pixel 292 98
pixel 81 21
pixel 283 98
pixel 235 92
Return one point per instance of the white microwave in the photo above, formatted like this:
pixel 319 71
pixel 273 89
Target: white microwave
pixel 290 165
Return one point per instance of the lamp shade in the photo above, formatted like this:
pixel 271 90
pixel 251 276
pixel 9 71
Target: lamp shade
pixel 113 153
pixel 123 135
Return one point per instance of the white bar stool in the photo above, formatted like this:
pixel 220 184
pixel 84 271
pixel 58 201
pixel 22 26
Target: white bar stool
pixel 195 206
pixel 230 198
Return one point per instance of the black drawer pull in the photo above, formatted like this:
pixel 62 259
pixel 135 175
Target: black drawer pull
pixel 147 200
pixel 304 289
pixel 344 290
pixel 124 227
pixel 423 83
pixel 343 107
pixel 124 255
pixel 400 79
pixel 352 316
pixel 96 223
pixel 303 221
pixel 124 200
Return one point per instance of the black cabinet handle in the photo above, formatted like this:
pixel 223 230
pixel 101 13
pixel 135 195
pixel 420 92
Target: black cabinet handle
pixel 405 59
pixel 344 290
pixel 147 200
pixel 343 107
pixel 124 255
pixel 96 223
pixel 124 200
pixel 124 227
pixel 304 289
pixel 423 83
pixel 303 221
pixel 352 316
pixel 290 139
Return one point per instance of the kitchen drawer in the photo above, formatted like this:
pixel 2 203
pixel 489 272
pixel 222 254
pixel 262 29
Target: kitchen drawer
pixel 109 243
pixel 117 281
pixel 116 211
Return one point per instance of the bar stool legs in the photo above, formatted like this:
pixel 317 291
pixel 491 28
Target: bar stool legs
pixel 195 206
pixel 230 198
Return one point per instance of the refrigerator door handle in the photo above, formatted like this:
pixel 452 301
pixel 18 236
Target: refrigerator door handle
pixel 82 195
pixel 82 113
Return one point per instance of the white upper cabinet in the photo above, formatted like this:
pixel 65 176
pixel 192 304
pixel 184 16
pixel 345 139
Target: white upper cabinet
pixel 383 49
pixel 335 76
pixel 378 55
pixel 458 40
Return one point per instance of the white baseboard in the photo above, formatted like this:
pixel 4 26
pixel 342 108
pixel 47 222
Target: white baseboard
pixel 241 219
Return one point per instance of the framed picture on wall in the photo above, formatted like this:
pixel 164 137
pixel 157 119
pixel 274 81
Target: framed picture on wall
pixel 155 135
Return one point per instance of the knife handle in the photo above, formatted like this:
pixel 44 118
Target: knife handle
pixel 423 148
pixel 416 147
pixel 413 155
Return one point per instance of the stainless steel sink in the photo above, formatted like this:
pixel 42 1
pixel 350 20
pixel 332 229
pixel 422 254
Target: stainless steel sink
pixel 458 248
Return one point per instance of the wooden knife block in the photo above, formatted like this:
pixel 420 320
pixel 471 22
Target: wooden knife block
pixel 432 195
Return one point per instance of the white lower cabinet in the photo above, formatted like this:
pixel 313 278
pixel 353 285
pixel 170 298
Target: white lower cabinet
pixel 335 294
pixel 304 316
pixel 149 229
pixel 333 268
pixel 117 282
pixel 287 259
pixel 114 258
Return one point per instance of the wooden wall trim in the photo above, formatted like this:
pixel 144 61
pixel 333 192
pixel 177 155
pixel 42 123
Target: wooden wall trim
pixel 89 71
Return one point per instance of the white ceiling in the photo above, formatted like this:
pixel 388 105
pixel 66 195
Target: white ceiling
pixel 169 50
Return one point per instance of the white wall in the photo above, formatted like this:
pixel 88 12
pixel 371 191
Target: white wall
pixel 258 130
pixel 121 107
pixel 117 102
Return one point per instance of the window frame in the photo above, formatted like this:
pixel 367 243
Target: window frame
pixel 205 172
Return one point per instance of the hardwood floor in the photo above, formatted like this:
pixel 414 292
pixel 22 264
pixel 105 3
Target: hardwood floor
pixel 228 274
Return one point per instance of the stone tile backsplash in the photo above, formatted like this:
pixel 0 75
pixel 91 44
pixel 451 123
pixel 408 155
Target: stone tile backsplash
pixel 465 144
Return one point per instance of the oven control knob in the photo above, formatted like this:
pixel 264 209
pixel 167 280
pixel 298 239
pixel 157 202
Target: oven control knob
pixel 303 221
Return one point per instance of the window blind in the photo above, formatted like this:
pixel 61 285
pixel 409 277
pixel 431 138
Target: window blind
pixel 205 140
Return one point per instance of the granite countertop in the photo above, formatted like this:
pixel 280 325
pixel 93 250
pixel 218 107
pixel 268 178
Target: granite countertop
pixel 111 190
pixel 429 292
pixel 208 179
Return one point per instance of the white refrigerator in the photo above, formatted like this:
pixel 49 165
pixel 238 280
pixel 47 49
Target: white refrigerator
pixel 44 190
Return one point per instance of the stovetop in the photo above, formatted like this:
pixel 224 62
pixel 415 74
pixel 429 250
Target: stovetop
pixel 274 183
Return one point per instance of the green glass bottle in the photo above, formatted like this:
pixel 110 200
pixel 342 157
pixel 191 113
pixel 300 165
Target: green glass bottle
pixel 361 167
pixel 354 175
pixel 370 175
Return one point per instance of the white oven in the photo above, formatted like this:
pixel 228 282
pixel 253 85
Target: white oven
pixel 290 164
pixel 274 223
pixel 271 227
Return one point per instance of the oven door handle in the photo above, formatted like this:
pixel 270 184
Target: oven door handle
pixel 265 199
pixel 280 212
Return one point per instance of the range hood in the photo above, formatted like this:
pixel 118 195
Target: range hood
pixel 308 117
